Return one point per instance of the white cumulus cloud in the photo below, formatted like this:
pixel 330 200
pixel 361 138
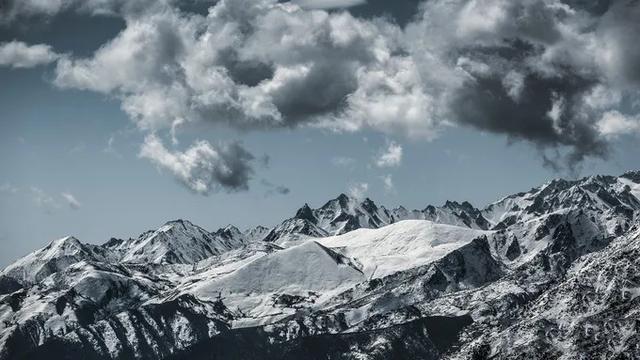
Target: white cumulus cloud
pixel 18 54
pixel 613 123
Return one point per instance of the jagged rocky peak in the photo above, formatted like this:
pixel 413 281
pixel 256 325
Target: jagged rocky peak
pixel 306 213
pixel 452 213
pixel 632 175
pixel 342 199
pixel 182 224
pixel 229 232
pixel 598 193
pixel 370 206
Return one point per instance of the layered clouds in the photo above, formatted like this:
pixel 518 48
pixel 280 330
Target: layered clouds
pixel 556 74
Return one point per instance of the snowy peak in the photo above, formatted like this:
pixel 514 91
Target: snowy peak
pixel 451 213
pixel 305 213
pixel 343 214
pixel 178 242
pixel 292 230
pixel 257 233
pixel 597 194
pixel 56 256
pixel 233 234
pixel 229 232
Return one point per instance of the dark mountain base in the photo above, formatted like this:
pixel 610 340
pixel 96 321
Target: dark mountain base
pixel 426 338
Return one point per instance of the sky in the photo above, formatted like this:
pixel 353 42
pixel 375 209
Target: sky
pixel 117 116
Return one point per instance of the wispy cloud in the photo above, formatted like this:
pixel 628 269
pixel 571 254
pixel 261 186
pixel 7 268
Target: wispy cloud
pixel 387 182
pixel 343 161
pixel 359 190
pixel 389 156
pixel 273 189
pixel 44 201
pixel 71 200
pixel 8 188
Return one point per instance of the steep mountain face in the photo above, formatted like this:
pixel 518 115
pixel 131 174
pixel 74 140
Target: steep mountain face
pixel 612 199
pixel 176 242
pixel 56 256
pixel 547 273
pixel 594 311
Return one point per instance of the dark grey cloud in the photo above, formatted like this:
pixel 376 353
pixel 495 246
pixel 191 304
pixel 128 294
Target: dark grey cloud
pixel 19 10
pixel 401 12
pixel 486 105
pixel 203 168
pixel 547 72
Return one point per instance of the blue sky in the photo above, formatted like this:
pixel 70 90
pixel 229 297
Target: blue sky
pixel 71 164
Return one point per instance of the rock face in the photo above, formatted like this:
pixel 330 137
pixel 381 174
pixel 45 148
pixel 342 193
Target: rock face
pixel 548 273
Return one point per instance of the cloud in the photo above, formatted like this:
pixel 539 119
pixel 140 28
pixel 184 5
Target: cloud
pixel 203 168
pixel 328 4
pixel 239 66
pixel 265 161
pixel 358 190
pixel 44 200
pixel 8 188
pixel 389 156
pixel 613 124
pixel 543 72
pixel 17 54
pixel 387 181
pixel 273 189
pixel 14 10
pixel 71 200
pixel 529 69
pixel 343 161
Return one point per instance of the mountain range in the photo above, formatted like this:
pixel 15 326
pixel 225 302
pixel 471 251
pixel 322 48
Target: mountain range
pixel 553 272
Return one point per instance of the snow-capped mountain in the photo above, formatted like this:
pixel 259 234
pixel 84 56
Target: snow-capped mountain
pixel 177 242
pixel 547 273
pixel 344 214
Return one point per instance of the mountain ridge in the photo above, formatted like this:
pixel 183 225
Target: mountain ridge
pixel 352 271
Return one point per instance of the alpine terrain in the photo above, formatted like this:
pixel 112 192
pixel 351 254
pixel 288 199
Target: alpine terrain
pixel 549 273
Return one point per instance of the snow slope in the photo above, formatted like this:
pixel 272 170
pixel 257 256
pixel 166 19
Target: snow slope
pixel 400 246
